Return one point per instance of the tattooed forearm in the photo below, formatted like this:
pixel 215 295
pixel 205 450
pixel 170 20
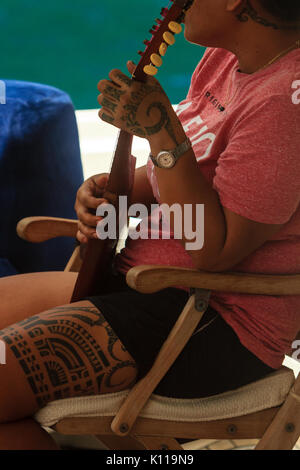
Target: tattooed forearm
pixel 249 12
pixel 164 123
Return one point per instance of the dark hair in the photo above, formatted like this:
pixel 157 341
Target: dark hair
pixel 285 10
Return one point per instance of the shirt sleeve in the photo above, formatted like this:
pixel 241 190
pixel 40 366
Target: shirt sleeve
pixel 258 174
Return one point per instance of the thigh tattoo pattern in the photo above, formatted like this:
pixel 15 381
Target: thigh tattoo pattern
pixel 61 358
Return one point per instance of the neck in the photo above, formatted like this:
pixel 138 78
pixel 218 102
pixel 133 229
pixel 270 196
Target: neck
pixel 255 57
pixel 256 41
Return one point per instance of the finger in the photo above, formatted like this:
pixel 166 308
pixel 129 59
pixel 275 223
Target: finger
pixel 99 183
pixel 131 67
pixel 120 78
pixel 113 92
pixel 102 85
pixel 87 201
pixel 89 191
pixel 110 90
pixel 108 104
pixel 81 238
pixel 85 216
pixel 106 117
pixel 88 232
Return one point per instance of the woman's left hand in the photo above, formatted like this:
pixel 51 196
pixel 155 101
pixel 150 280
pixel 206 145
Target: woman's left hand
pixel 142 109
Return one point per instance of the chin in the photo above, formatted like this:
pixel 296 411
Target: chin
pixel 195 39
pixel 190 37
pixel 204 40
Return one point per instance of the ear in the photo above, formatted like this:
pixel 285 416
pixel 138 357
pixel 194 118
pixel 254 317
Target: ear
pixel 233 5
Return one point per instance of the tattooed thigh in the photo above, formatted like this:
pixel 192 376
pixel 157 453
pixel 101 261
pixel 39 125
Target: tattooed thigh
pixel 70 351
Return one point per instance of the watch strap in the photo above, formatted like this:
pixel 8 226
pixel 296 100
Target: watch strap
pixel 177 152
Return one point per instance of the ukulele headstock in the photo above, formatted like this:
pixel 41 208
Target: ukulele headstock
pixel 163 35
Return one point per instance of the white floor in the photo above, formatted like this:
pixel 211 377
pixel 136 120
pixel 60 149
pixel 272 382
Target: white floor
pixel 97 142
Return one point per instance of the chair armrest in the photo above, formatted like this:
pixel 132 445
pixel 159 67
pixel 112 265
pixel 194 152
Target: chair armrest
pixel 148 279
pixel 41 229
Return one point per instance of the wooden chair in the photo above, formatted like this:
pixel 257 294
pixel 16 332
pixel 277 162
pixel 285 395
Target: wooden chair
pixel 268 410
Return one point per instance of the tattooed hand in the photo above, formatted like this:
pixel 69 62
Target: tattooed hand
pixel 142 109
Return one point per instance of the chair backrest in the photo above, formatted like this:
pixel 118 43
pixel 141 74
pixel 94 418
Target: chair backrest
pixel 40 171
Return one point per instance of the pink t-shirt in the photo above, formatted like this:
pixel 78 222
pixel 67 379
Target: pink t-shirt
pixel 250 153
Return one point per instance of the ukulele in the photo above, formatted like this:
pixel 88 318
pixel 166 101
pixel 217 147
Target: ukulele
pixel 99 254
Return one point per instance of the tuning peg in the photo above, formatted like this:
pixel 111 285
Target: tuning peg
pixel 164 12
pixel 163 49
pixel 156 60
pixel 176 28
pixel 150 70
pixel 154 29
pixel 169 38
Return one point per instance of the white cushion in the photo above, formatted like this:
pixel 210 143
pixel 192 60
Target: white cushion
pixel 266 393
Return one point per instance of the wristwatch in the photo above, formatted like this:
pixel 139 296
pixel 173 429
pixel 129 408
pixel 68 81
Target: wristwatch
pixel 168 158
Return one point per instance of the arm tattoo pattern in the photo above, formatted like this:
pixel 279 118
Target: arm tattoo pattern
pixel 249 12
pixel 108 118
pixel 114 93
pixel 126 80
pixel 109 105
pixel 132 110
pixel 60 356
pixel 165 122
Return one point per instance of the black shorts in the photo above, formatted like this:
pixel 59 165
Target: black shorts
pixel 214 360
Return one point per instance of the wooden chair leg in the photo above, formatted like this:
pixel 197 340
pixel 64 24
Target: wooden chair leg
pixel 284 430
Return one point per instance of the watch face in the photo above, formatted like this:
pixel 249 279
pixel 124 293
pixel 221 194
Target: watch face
pixel 166 160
